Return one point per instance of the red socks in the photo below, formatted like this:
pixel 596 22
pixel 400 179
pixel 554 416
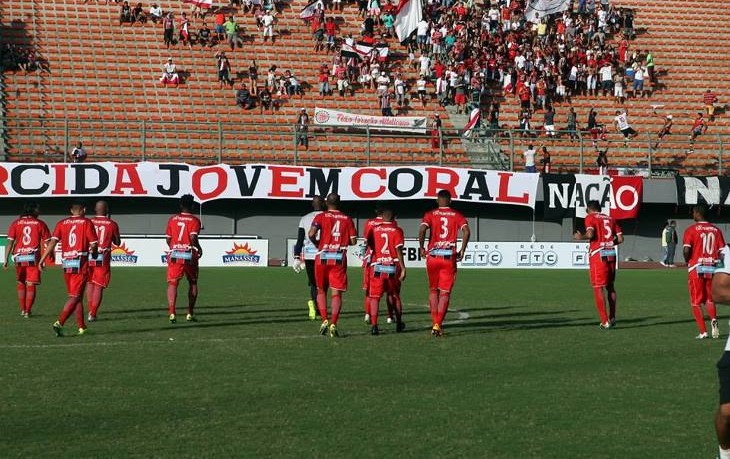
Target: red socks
pixel 322 304
pixel 29 297
pixel 397 306
pixel 73 304
pixel 94 294
pixel 336 306
pixel 366 304
pixel 600 303
pixel 699 318
pixel 21 296
pixel 192 297
pixel 433 300
pixel 443 307
pixel 374 310
pixel 612 305
pixel 171 298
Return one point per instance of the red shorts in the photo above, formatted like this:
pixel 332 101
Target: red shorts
pixel 382 284
pixel 366 270
pixel 441 273
pixel 176 271
pixel 27 274
pixel 603 273
pixel 700 289
pixel 460 99
pixel 76 282
pixel 330 276
pixel 100 275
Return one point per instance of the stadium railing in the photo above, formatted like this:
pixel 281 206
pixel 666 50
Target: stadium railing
pixel 51 140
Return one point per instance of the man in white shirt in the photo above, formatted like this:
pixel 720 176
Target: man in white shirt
pixel 529 156
pixel 425 62
pixel 267 21
pixel 422 35
pixel 621 121
pixel 169 73
pixel 639 72
pixel 155 13
pixel 606 79
pixel 305 252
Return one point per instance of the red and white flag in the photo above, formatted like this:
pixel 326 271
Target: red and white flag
pixel 200 3
pixel 309 11
pixel 408 14
pixel 474 118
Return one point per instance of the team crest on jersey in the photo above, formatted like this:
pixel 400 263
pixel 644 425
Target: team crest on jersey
pixel 123 255
pixel 241 254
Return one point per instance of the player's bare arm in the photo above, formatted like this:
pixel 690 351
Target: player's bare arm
pixel 465 235
pixel 687 253
pixel 620 238
pixel 8 253
pixel 422 239
pixel 116 240
pixel 313 230
pixel 587 236
pixel 48 250
pixel 196 243
pixel 402 262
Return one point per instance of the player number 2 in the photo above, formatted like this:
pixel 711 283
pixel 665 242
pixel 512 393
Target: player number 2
pixel 72 237
pixel 444 228
pixel 708 243
pixel 386 242
pixel 26 235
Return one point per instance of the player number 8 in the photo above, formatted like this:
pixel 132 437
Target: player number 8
pixel 26 235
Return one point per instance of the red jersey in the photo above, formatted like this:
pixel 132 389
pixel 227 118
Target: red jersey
pixel 385 239
pixel 75 234
pixel 605 229
pixel 180 229
pixel 29 233
pixel 705 241
pixel 107 231
pixel 445 224
pixel 336 230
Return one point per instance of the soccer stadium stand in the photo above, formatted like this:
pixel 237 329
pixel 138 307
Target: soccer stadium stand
pixel 100 84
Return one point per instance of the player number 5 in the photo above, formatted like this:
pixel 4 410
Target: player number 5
pixel 607 228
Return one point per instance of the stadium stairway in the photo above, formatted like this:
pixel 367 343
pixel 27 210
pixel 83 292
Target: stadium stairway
pixel 686 38
pixel 103 78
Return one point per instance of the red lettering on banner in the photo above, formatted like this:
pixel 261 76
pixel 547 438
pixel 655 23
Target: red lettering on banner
pixel 434 185
pixel 59 174
pixel 3 179
pixel 127 178
pixel 503 195
pixel 221 182
pixel 357 183
pixel 282 176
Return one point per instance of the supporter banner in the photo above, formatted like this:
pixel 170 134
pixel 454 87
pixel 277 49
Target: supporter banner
pixel 703 190
pixel 411 124
pixel 565 195
pixel 308 11
pixel 493 255
pixel 474 117
pixel 408 14
pixel 216 252
pixel 200 3
pixel 362 50
pixel 262 181
pixel 538 9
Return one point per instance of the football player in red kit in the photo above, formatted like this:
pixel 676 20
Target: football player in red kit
pixel 386 268
pixel 26 238
pixel 336 232
pixel 443 224
pixel 100 271
pixel 182 260
pixel 78 238
pixel 366 265
pixel 702 243
pixel 604 235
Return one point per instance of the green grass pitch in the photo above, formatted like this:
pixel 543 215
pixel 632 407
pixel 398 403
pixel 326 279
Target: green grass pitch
pixel 523 372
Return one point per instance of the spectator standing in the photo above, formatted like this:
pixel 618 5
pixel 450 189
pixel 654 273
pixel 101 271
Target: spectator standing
pixel 220 28
pixel 602 161
pixel 436 132
pixel 224 69
pixel 267 22
pixel 184 28
pixel 549 121
pixel 231 27
pixel 545 160
pixel 253 77
pixel 385 108
pixel 618 88
pixel 572 124
pixel 168 26
pixel 606 78
pixel 324 80
pixel 421 89
pixel 78 154
pixel 302 129
pixel 669 244
pixel 649 64
pixel 710 100
pixel 529 156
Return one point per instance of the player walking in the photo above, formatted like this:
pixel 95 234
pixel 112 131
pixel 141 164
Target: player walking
pixel 702 243
pixel 182 260
pixel 367 254
pixel 604 235
pixel 100 272
pixel 387 268
pixel 443 225
pixel 305 252
pixel 26 236
pixel 77 237
pixel 336 232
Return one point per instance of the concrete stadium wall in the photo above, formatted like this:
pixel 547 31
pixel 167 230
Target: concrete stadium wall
pixel 278 220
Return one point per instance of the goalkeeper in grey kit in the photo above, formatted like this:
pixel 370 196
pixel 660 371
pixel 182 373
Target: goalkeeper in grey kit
pixel 305 252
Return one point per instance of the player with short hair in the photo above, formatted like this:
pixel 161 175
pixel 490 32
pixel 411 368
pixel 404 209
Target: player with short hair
pixel 386 268
pixel 100 272
pixel 336 231
pixel 721 294
pixel 182 260
pixel 702 243
pixel 305 252
pixel 366 265
pixel 26 237
pixel 604 235
pixel 443 225
pixel 78 238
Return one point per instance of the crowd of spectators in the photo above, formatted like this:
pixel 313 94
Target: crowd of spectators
pixel 25 58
